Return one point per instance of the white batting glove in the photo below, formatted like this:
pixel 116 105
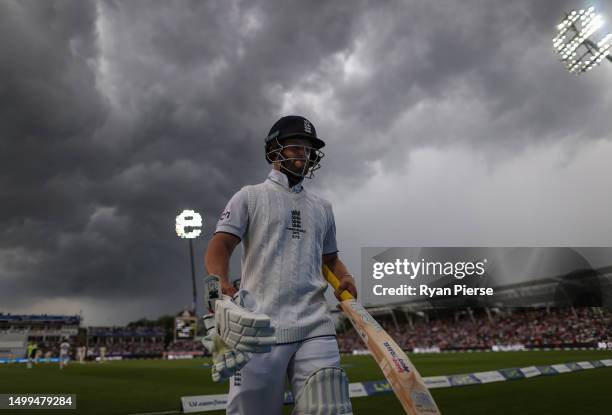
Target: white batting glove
pixel 226 361
pixel 242 329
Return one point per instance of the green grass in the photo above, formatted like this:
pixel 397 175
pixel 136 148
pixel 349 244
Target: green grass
pixel 127 387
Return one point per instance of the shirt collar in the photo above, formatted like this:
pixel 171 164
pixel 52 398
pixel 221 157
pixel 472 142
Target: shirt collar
pixel 280 178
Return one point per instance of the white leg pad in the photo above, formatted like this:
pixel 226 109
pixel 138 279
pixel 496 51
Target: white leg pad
pixel 325 392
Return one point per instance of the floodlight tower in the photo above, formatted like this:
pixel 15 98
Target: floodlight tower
pixel 192 220
pixel 574 42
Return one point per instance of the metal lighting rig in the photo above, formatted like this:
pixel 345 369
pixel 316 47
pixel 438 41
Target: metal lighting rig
pixel 192 220
pixel 576 41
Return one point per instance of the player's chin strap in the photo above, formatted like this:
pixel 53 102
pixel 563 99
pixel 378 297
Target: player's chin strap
pixel 325 392
pixel 312 159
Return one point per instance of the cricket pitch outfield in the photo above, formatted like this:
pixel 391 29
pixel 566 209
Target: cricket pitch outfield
pixel 143 386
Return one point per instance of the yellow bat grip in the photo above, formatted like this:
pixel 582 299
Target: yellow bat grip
pixel 333 280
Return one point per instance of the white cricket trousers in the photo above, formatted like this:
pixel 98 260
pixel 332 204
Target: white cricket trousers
pixel 258 388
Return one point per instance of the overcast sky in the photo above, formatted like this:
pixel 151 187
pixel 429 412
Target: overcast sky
pixel 446 123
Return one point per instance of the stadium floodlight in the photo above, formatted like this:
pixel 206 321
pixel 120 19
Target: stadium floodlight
pixel 193 220
pixel 574 41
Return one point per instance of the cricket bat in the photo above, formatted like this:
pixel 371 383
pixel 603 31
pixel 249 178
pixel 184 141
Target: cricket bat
pixel 401 374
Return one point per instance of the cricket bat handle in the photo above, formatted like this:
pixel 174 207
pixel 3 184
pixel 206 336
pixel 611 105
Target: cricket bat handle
pixel 335 282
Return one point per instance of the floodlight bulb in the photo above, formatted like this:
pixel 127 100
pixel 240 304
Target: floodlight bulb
pixel 586 22
pixel 603 42
pixel 191 219
pixel 598 21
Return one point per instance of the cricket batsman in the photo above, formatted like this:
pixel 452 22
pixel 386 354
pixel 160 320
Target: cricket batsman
pixel 277 326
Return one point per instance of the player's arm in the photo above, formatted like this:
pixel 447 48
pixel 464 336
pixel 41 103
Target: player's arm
pixel 217 259
pixel 228 342
pixel 230 229
pixel 347 281
pixel 330 258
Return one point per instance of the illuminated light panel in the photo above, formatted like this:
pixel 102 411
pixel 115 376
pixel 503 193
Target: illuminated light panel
pixel 573 40
pixel 188 219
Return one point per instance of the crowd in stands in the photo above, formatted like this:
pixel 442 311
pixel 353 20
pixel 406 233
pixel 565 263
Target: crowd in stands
pixel 127 342
pixel 457 330
pixel 532 328
pixel 127 350
pixel 186 346
pixel 136 332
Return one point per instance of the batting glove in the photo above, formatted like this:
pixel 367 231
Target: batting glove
pixel 242 329
pixel 226 361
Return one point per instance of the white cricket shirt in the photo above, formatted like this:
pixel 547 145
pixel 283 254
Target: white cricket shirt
pixel 284 231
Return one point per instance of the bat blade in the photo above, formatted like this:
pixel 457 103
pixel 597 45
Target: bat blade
pixel 399 371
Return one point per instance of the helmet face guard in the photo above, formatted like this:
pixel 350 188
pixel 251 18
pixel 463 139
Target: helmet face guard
pixel 312 158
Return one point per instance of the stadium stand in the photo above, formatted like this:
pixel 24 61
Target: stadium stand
pixel 44 330
pixel 469 329
pixel 446 330
pixel 126 342
pixel 13 344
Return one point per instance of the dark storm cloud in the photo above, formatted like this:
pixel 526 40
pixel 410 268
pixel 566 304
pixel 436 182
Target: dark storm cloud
pixel 48 108
pixel 116 115
pixel 48 103
pixel 480 74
